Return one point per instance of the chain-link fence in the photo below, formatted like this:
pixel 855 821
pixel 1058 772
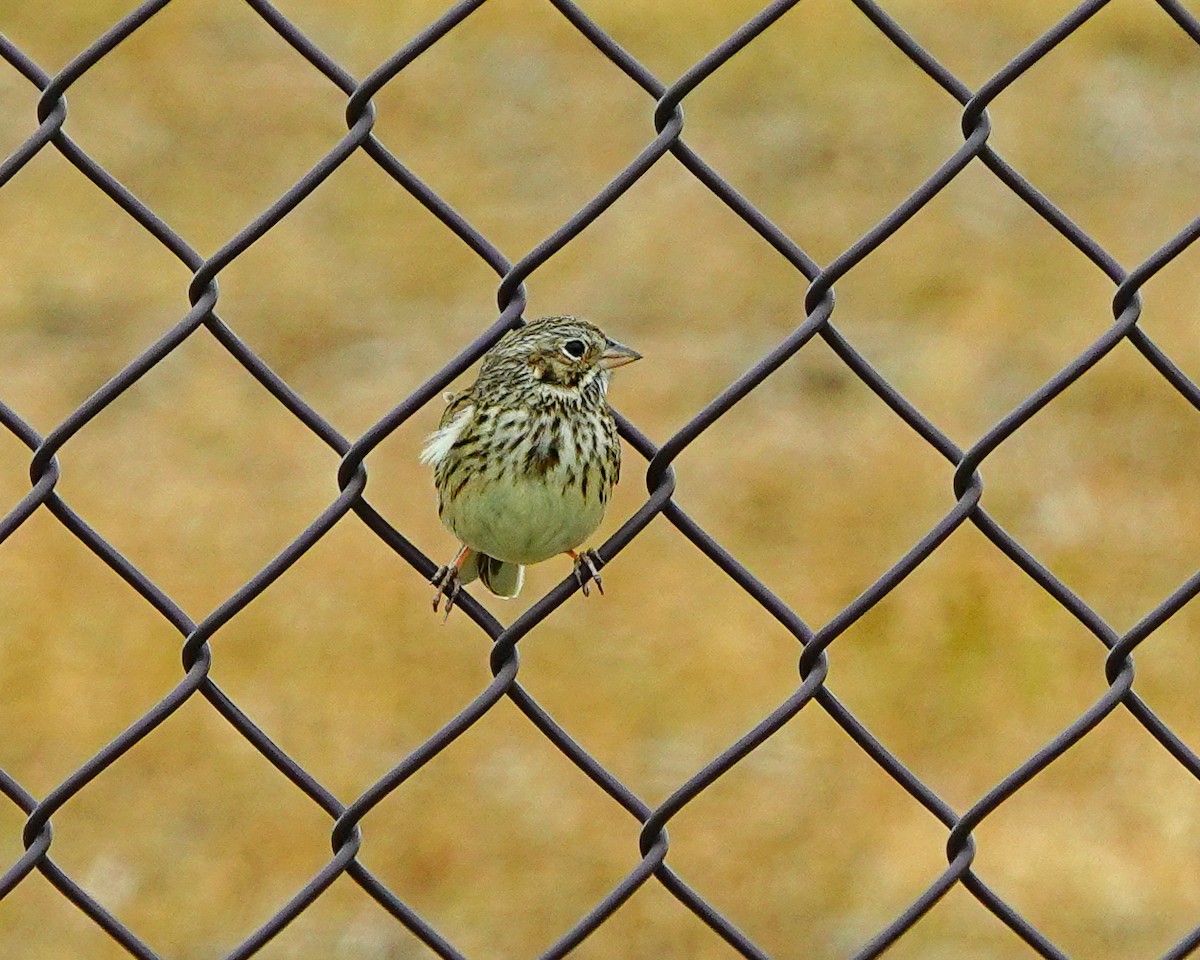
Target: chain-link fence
pixel 664 102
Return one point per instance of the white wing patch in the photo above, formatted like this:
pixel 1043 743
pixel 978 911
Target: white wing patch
pixel 437 447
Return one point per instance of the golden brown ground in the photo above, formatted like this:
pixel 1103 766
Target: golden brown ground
pixel 200 477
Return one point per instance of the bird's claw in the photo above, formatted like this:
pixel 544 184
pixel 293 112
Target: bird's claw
pixel 586 570
pixel 447 583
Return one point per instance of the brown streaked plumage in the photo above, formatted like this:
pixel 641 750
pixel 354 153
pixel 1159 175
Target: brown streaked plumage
pixel 525 459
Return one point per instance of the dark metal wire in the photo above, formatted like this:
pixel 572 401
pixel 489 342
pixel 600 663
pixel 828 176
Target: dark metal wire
pixel 814 668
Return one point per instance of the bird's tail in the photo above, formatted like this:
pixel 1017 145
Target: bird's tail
pixel 502 577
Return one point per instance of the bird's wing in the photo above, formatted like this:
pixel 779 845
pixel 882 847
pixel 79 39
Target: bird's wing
pixel 455 402
pixel 459 412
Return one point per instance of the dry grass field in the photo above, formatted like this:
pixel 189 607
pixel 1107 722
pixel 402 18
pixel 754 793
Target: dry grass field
pixel 200 477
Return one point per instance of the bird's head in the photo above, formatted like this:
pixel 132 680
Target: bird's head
pixel 558 354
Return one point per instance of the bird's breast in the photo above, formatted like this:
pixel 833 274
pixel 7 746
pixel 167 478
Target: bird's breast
pixel 536 488
pixel 522 520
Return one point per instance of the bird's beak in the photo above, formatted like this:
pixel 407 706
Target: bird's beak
pixel 617 355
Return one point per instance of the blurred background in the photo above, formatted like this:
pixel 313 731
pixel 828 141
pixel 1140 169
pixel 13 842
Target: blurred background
pixel 200 477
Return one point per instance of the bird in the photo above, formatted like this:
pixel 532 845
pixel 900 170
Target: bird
pixel 525 459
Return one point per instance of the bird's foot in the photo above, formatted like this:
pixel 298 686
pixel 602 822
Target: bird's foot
pixel 447 583
pixel 586 571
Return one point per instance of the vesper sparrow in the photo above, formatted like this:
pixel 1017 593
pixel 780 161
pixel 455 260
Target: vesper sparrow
pixel 525 458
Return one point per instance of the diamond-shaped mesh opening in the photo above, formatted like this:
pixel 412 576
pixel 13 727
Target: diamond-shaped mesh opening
pixel 71 631
pixel 139 465
pixel 1107 124
pixel 499 890
pixel 868 848
pixel 355 298
pixel 728 659
pixel 519 174
pixel 308 661
pixel 713 297
pixel 1000 668
pixel 812 446
pixel 68 329
pixel 244 838
pixel 962 321
pixel 1126 856
pixel 1100 486
pixel 208 144
pixel 812 112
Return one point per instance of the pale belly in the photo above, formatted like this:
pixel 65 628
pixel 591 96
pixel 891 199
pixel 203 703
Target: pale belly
pixel 522 521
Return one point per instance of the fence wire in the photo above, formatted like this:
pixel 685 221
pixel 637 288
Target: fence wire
pixel 667 99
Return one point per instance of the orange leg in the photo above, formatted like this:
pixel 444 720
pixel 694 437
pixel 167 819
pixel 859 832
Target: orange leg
pixel 447 583
pixel 585 570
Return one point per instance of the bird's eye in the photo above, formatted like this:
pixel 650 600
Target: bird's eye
pixel 575 349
